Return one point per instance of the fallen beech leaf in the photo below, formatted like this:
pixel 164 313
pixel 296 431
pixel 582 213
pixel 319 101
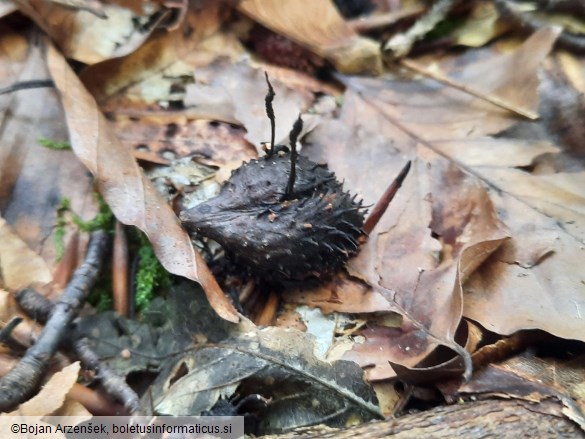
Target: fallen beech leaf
pixel 87 37
pixel 318 26
pixel 238 91
pixel 442 225
pixel 556 195
pixel 19 265
pixel 52 395
pixel 420 276
pixel 434 112
pixel 543 290
pixel 442 363
pixel 129 194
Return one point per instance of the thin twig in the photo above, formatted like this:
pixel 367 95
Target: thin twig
pixel 34 303
pixel 566 40
pixel 576 7
pixel 385 200
pixel 114 384
pixel 372 22
pixel 268 312
pixel 500 350
pixel 6 335
pixel 25 85
pixel 495 100
pixel 120 285
pixel 68 262
pixel 399 45
pixel 22 381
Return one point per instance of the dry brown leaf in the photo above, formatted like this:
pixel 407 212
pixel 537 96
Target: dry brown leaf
pixel 342 294
pixel 237 93
pixel 128 193
pixel 52 394
pixel 442 225
pixel 420 276
pixel 318 26
pixel 534 281
pixel 19 266
pixel 434 112
pixel 86 37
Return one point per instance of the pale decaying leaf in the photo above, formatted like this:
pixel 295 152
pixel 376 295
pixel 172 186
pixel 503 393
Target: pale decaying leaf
pixel 442 225
pixel 19 266
pixel 481 27
pixel 148 74
pixel 318 26
pixel 129 194
pixel 85 36
pixel 52 394
pixel 236 92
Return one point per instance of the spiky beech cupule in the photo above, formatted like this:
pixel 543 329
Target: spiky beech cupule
pixel 308 232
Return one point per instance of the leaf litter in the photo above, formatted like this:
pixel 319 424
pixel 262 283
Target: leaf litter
pixel 488 227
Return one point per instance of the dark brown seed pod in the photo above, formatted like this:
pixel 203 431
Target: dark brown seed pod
pixel 283 215
pixel 310 232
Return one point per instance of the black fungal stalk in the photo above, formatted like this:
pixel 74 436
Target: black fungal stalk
pixel 270 113
pixel 294 134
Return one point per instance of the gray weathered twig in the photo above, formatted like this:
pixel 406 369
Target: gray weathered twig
pixel 23 380
pixel 34 303
pixel 399 45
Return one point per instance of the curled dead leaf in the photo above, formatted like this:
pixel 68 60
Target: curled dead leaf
pixel 129 194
